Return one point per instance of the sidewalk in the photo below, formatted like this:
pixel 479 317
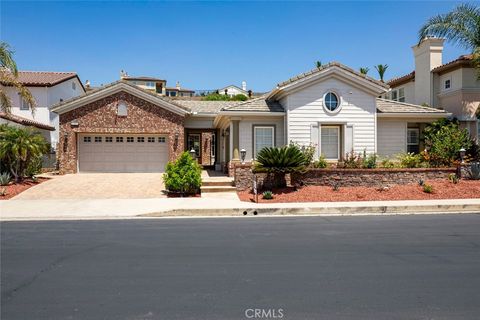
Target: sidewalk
pixel 216 205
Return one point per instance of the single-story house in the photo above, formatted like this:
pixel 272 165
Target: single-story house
pixel 123 128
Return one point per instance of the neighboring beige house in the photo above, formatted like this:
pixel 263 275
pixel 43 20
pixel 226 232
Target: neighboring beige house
pixel 179 91
pixel 452 86
pixel 123 128
pixel 158 86
pixel 48 88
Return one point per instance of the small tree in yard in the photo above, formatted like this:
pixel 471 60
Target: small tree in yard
pixel 20 149
pixel 183 175
pixel 443 141
pixel 279 161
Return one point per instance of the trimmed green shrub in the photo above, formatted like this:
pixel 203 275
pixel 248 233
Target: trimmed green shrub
pixel 410 160
pixel 427 188
pixel 183 175
pixel 287 159
pixel 443 140
pixel 34 167
pixel 21 148
pixel 239 97
pixel 321 163
pixel 388 164
pixel 369 161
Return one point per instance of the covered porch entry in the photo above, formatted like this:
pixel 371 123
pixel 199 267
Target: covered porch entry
pixel 205 144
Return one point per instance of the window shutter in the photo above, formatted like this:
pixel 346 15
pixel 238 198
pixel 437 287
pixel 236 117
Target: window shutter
pixel 348 139
pixel 314 139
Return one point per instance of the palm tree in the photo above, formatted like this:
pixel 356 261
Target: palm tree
pixel 460 26
pixel 381 68
pixel 9 78
pixel 318 64
pixel 364 70
pixel 20 147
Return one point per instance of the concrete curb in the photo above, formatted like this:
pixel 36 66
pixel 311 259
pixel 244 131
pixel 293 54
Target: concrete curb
pixel 345 210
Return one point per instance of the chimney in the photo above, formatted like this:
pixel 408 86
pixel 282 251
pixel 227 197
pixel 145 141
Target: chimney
pixel 178 85
pixel 244 85
pixel 428 56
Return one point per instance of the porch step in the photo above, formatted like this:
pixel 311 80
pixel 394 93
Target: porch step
pixel 217 183
pixel 205 189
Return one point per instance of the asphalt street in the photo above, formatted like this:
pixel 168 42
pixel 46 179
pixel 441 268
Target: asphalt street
pixel 369 267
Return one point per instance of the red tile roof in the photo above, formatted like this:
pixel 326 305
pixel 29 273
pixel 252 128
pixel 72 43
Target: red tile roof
pixel 25 121
pixel 44 78
pixel 464 60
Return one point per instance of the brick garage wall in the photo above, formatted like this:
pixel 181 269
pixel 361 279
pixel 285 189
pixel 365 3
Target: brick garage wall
pixel 101 117
pixel 342 177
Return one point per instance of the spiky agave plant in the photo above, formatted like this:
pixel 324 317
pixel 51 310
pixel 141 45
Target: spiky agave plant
pixel 287 159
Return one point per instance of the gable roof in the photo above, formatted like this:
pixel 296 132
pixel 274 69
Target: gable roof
pixel 337 68
pixel 45 78
pixel 114 87
pixel 390 107
pixel 26 122
pixel 260 104
pixel 232 85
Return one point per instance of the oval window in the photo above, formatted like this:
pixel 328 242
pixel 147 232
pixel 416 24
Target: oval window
pixel 331 101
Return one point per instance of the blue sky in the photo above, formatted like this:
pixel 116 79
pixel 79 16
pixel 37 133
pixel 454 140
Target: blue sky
pixel 206 45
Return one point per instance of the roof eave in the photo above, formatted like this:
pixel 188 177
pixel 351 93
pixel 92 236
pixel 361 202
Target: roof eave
pixel 247 113
pixel 115 88
pixel 422 115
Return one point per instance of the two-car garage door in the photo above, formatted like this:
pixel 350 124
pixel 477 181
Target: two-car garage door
pixel 122 153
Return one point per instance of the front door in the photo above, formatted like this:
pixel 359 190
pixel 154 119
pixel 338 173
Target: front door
pixel 193 142
pixel 330 142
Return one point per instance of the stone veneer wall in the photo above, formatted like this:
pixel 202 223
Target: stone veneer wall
pixel 101 117
pixel 344 177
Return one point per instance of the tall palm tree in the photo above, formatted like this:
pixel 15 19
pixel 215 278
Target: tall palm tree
pixel 460 26
pixel 364 70
pixel 9 78
pixel 381 69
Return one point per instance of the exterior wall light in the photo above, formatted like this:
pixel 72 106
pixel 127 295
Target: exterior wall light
pixel 243 153
pixel 462 154
pixel 193 154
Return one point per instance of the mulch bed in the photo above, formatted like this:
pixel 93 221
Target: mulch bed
pixel 442 189
pixel 16 188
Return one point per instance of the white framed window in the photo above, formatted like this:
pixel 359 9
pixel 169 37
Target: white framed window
pixel 151 139
pixel 447 84
pixel 98 139
pixel 130 139
pixel 87 139
pixel 140 139
pixel 263 136
pixel 24 105
pixel 330 142
pixel 119 139
pixel 108 139
pixel 161 139
pixel 413 140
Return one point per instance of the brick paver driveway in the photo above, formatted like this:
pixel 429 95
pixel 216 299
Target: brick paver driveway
pixel 98 186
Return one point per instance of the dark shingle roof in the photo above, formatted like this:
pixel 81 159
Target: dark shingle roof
pixel 390 106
